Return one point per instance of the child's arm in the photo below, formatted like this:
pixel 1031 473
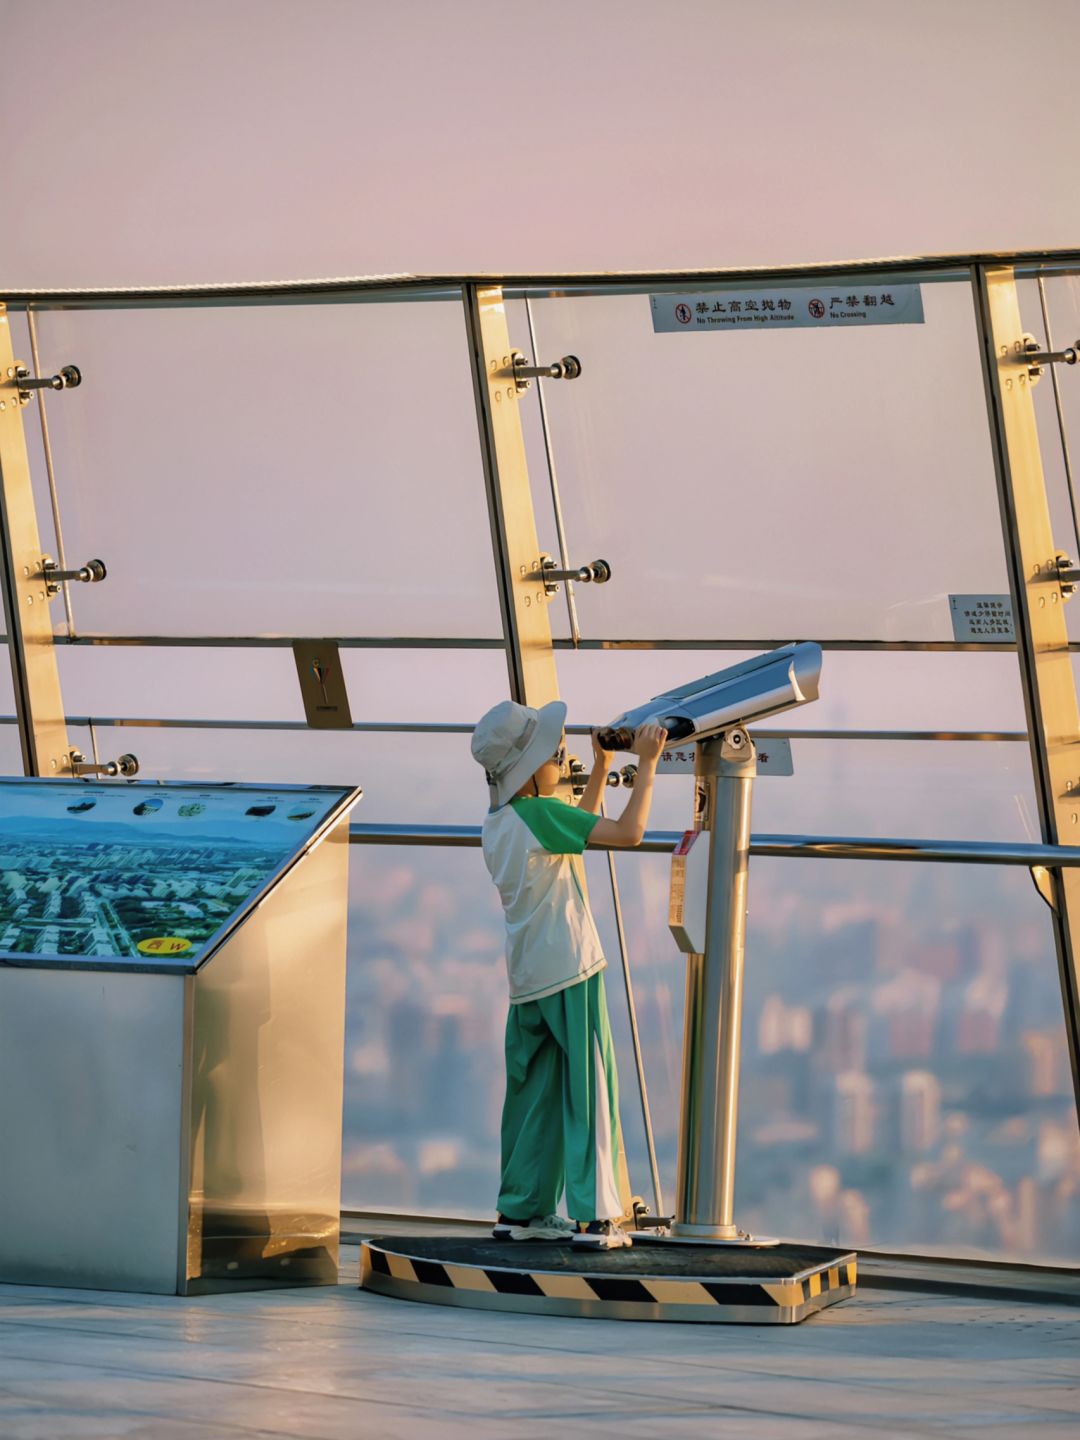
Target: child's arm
pixel 594 790
pixel 629 828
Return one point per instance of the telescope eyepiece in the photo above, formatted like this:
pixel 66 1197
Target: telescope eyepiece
pixel 621 737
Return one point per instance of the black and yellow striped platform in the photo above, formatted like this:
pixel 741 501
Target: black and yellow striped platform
pixel 698 1283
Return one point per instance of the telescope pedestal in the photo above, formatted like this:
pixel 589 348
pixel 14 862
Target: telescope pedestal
pixel 724 772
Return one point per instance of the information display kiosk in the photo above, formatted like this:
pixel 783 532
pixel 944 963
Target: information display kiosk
pixel 172 1006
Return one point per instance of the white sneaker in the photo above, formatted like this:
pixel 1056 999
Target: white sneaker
pixel 603 1235
pixel 551 1227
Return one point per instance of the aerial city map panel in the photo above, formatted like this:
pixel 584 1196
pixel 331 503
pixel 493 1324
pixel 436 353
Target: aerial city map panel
pixel 142 872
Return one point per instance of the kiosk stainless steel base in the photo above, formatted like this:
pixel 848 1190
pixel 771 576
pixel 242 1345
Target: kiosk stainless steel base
pixel 172 1131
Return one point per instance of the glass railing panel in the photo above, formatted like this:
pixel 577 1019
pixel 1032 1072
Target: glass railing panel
pixel 179 682
pixel 290 469
pixel 422 779
pixel 261 683
pixel 834 484
pixel 914 789
pixel 905 1069
pixel 10 751
pixel 425 1014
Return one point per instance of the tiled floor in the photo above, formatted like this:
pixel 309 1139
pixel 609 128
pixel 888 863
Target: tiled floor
pixel 337 1365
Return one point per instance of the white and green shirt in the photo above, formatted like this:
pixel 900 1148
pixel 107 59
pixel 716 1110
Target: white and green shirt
pixel 533 848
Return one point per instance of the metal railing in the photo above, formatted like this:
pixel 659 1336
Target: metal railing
pixel 816 847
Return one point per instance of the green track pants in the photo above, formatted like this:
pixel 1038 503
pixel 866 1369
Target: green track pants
pixel 560 1120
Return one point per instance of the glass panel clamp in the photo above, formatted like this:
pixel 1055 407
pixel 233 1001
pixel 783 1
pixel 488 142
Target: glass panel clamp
pixel 66 379
pixel 1066 575
pixel 126 766
pixel 88 574
pixel 1037 357
pixel 568 368
pixel 597 572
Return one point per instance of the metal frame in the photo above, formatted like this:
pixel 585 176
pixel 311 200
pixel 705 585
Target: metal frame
pixel 493 642
pixel 522 596
pixel 34 673
pixel 1038 601
pixel 397 287
pixel 526 639
pixel 432 727
pixel 801 847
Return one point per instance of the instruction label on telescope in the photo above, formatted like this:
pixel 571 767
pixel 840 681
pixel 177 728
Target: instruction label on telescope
pixel 985 618
pixel 799 307
pixel 773 757
pixel 689 892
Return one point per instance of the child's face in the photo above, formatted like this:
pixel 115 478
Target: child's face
pixel 549 774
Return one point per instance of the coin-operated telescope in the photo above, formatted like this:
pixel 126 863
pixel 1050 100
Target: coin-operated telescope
pixel 708 910
pixel 742 695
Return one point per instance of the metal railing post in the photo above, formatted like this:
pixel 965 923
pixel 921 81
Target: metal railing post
pixel 35 677
pixel 1039 609
pixel 523 600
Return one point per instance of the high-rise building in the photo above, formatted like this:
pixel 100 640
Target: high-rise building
pixel 919 1112
pixel 854 1113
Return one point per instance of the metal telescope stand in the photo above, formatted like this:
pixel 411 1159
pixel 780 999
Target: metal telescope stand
pixel 724 770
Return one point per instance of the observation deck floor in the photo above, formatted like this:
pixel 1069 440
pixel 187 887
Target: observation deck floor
pixel 328 1364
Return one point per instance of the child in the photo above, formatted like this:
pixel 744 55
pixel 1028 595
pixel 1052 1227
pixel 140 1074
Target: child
pixel 560 1118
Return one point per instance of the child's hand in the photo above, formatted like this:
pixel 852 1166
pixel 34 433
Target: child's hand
pixel 601 757
pixel 649 741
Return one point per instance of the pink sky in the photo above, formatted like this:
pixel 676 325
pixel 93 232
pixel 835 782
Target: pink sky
pixel 264 139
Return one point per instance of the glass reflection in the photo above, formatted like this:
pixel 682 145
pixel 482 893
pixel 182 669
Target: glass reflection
pixel 905 1071
pixel 774 485
pixel 288 495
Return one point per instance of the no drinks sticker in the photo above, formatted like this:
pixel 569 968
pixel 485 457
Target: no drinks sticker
pixel 798 308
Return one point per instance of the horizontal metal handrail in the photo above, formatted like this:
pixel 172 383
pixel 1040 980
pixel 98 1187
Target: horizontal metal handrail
pixel 431 727
pixel 402 285
pixel 816 847
pixel 494 642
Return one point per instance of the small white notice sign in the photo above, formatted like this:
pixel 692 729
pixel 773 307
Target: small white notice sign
pixel 982 618
pixel 798 308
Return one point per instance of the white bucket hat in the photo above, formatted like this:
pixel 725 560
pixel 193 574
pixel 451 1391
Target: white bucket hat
pixel 512 741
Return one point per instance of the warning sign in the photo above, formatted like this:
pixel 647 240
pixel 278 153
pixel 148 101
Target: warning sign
pixel 982 618
pixel 798 308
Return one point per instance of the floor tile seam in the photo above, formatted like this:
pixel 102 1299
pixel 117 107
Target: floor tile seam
pixel 962 1367
pixel 678 1409
pixel 94 1322
pixel 422 1412
pixel 786 1417
pixel 156 1375
pixel 1018 1407
pixel 213 1428
pixel 331 1324
pixel 166 1379
pixel 92 1333
pixel 451 1340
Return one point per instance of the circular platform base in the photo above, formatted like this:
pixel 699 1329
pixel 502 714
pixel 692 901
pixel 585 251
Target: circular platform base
pixel 699 1283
